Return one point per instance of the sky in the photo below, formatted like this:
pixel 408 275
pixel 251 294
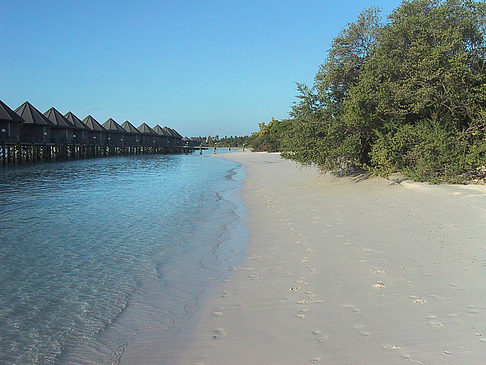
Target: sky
pixel 201 67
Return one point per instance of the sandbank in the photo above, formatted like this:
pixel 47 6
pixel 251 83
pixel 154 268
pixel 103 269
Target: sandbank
pixel 349 271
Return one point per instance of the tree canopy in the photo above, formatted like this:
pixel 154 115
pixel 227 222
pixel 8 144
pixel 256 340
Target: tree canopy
pixel 406 94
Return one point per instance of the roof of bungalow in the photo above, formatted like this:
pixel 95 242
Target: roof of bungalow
pixel 145 129
pixel 167 131
pixel 31 115
pixel 58 119
pixel 159 130
pixel 78 124
pixel 8 114
pixel 92 124
pixel 176 134
pixel 130 128
pixel 112 126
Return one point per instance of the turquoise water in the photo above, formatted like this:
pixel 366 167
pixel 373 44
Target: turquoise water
pixel 96 255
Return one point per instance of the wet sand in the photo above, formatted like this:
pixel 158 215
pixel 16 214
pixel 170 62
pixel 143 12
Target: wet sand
pixel 349 271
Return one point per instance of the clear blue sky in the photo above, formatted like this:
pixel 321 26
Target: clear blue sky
pixel 201 67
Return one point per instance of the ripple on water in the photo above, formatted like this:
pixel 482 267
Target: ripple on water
pixel 82 242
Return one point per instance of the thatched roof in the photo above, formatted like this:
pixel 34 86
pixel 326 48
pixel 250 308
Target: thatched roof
pixel 167 131
pixel 92 124
pixel 174 133
pixel 58 119
pixel 130 128
pixel 8 115
pixel 145 129
pixel 78 124
pixel 112 126
pixel 159 130
pixel 31 115
pixel 177 133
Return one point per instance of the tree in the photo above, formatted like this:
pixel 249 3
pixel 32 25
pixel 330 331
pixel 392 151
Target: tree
pixel 321 137
pixel 427 70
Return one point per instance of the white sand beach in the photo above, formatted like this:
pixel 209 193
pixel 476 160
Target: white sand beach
pixel 350 271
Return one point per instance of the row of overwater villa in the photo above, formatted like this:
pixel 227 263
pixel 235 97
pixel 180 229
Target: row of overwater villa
pixel 26 134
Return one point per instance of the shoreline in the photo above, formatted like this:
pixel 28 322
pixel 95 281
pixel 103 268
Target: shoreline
pixel 345 271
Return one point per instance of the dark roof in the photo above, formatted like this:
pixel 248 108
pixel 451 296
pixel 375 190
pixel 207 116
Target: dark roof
pixel 92 124
pixel 159 130
pixel 175 133
pixel 112 126
pixel 8 114
pixel 58 119
pixel 145 129
pixel 78 124
pixel 167 131
pixel 31 115
pixel 130 128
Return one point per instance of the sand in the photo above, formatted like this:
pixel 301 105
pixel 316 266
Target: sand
pixel 349 271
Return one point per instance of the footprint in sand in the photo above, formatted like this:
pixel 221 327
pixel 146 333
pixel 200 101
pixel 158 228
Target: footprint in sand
pixel 303 260
pixel 417 300
pixel 379 271
pixel 351 307
pixel 225 294
pixel 360 328
pixel 254 276
pixel 315 360
pixel 391 347
pixel 379 285
pixel 436 324
pixel 403 353
pixel 437 297
pixel 302 301
pixel 218 312
pixel 365 249
pixel 320 337
pixel 310 294
pixel 471 309
pixel 300 316
pixel 218 334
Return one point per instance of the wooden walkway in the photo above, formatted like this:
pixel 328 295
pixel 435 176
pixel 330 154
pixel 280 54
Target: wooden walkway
pixel 18 153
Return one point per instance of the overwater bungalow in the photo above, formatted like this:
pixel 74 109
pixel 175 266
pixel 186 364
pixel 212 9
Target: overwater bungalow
pixel 162 138
pixel 62 130
pixel 114 133
pixel 133 137
pixel 170 137
pixel 96 133
pixel 177 136
pixel 80 135
pixel 149 137
pixel 36 127
pixel 10 124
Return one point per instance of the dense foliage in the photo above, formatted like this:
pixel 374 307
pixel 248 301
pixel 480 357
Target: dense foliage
pixel 405 95
pixel 216 141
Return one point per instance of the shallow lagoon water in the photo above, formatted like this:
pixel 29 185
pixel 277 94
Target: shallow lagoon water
pixel 101 257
